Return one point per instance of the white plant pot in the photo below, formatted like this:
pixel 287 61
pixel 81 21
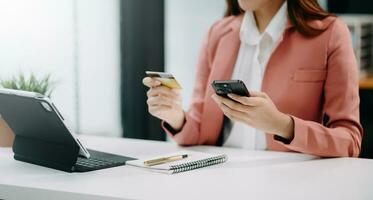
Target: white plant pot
pixel 6 134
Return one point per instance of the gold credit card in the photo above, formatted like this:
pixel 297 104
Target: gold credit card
pixel 166 79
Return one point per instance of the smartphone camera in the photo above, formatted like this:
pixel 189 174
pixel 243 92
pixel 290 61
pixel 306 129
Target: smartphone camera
pixel 223 89
pixel 220 91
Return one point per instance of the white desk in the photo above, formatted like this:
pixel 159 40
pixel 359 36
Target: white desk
pixel 246 175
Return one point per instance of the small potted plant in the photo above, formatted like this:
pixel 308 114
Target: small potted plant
pixel 31 84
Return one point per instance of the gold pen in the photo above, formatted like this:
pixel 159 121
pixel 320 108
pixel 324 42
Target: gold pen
pixel 163 160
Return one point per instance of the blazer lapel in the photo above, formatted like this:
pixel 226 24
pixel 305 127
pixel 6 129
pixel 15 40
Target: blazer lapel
pixel 222 68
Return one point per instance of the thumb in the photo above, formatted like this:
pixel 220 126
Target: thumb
pixel 150 82
pixel 258 94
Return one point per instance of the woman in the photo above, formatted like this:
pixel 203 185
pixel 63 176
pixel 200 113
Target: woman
pixel 298 64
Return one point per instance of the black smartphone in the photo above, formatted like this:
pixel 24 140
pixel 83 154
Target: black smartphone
pixel 223 88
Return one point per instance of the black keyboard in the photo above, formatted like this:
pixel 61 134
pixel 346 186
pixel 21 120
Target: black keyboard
pixel 99 160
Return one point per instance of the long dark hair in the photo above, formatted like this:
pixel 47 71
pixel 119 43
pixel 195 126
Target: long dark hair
pixel 299 11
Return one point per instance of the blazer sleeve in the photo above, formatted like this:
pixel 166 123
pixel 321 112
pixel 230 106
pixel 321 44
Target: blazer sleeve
pixel 342 134
pixel 190 133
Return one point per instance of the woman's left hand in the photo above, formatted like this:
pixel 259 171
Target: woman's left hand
pixel 258 111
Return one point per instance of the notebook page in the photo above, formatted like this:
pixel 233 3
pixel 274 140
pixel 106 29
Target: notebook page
pixel 192 157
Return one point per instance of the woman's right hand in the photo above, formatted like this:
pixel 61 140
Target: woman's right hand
pixel 165 103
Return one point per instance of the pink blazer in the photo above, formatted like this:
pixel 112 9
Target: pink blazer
pixel 305 78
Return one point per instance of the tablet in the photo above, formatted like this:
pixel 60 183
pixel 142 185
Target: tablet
pixel 22 110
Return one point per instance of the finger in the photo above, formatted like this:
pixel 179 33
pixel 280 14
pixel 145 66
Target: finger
pixel 150 82
pixel 162 90
pixel 258 94
pixel 233 105
pixel 158 108
pixel 233 114
pixel 215 98
pixel 248 101
pixel 176 91
pixel 218 99
pixel 161 100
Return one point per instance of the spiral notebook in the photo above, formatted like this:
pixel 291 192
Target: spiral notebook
pixel 194 160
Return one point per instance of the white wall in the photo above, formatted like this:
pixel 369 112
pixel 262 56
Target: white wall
pixel 39 36
pixel 99 66
pixel 187 22
pixel 323 3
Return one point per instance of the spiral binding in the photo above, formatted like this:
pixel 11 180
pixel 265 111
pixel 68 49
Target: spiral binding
pixel 198 164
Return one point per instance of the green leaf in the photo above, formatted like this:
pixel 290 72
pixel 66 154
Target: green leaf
pixel 31 83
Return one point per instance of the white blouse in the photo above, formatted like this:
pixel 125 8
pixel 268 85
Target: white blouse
pixel 255 51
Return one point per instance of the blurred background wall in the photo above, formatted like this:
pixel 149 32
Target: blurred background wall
pixel 77 42
pixel 186 24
